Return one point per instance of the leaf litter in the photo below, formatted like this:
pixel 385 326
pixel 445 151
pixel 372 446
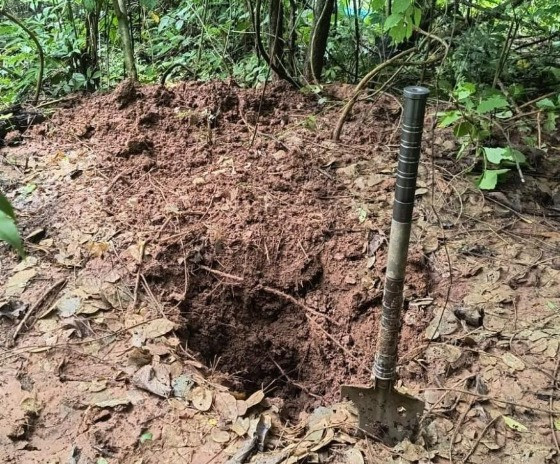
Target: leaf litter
pixel 253 428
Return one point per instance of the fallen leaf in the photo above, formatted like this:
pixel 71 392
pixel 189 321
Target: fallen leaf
pixel 201 398
pixel 241 407
pixel 353 456
pixel 112 403
pixel 97 249
pixel 254 399
pixel 31 406
pixel 68 305
pixel 226 406
pixel 182 385
pixel 12 309
pixel 514 425
pixel 241 426
pixel 155 379
pixel 219 436
pixel 513 362
pixel 16 284
pixel 158 328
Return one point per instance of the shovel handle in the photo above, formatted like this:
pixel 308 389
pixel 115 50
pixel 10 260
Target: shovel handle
pixel 385 364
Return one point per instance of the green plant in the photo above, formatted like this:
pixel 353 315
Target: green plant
pixel 475 121
pixel 8 229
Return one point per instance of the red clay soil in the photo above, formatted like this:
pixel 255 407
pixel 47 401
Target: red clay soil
pixel 259 246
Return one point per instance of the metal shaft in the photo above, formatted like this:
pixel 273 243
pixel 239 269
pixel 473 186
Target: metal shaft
pixel 407 171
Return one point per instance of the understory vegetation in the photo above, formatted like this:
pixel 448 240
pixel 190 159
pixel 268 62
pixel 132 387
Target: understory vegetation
pixel 492 65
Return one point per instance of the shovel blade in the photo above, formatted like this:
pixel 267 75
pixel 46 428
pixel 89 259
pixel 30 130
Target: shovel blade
pixel 385 413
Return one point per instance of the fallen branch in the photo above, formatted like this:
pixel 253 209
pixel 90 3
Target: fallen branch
pixel 36 305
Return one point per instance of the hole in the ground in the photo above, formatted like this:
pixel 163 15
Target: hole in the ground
pixel 260 341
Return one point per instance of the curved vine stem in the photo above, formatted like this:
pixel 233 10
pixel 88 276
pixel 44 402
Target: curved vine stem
pixel 279 70
pixel 33 37
pixel 360 87
pixel 392 61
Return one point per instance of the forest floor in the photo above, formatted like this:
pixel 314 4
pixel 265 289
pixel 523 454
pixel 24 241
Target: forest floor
pixel 195 297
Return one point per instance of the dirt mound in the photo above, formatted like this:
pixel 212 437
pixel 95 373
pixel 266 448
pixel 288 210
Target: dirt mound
pixel 264 247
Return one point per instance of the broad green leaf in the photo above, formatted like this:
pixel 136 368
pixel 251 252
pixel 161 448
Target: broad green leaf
pixel 557 424
pixel 546 103
pixel 489 179
pixel 494 155
pixel 448 118
pixel 9 232
pixel 465 90
pixel 515 155
pixel 514 425
pixel 400 6
pixel 392 21
pixel 551 305
pixel 492 103
pixel 6 207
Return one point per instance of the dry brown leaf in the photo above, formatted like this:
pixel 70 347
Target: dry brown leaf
pixel 225 405
pixel 254 399
pixel 219 436
pixel 157 328
pixel 155 379
pixel 201 398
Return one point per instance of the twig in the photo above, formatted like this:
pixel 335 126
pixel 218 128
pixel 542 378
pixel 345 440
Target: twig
pixel 551 404
pixel 296 302
pixel 36 305
pixel 494 399
pixel 272 291
pixel 23 349
pixel 457 427
pixel 479 439
pixel 293 382
pixel 336 342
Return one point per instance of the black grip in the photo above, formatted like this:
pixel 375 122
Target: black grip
pixel 409 155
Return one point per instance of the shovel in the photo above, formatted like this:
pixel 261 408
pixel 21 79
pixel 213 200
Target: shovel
pixel 383 411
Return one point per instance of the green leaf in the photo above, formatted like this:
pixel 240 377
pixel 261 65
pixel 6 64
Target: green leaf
pixel 545 103
pixel 492 103
pixel 464 128
pixel 489 179
pixel 515 155
pixel 494 155
pixel 6 207
pixel 553 307
pixel 417 16
pixel 550 122
pixel 101 461
pixel 392 21
pixel 147 436
pixel 400 6
pixel 464 90
pixel 9 232
pixel 514 425
pixel 448 118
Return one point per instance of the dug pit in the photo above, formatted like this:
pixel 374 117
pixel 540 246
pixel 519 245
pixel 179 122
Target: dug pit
pixel 274 252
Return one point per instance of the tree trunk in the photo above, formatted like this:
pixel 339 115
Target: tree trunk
pixel 276 28
pixel 316 52
pixel 126 37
